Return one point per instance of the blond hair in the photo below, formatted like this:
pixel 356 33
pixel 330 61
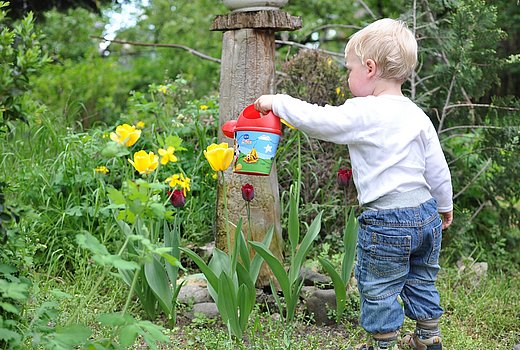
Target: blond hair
pixel 390 44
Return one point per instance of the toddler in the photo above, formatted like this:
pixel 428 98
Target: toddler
pixel 402 179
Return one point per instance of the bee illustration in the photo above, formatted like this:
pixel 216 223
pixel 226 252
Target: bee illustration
pixel 252 157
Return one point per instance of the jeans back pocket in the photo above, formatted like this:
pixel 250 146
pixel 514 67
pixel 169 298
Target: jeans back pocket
pixel 389 252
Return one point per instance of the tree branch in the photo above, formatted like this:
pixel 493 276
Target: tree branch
pixel 484 168
pixel 292 43
pixel 367 8
pixel 469 127
pixel 175 46
pixel 481 105
pixel 327 26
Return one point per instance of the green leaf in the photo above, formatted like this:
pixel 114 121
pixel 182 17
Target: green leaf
pixel 116 196
pixel 246 295
pixel 14 290
pixel 128 335
pixel 172 240
pixel 277 300
pixel 242 249
pixel 74 211
pixel 158 210
pixel 152 333
pixel 70 336
pixel 114 150
pixel 158 280
pixel 174 141
pixel 115 261
pixel 256 263
pixel 171 260
pixel 276 266
pixel 307 241
pixel 293 226
pixel 349 242
pixel 227 301
pixel 89 242
pixel 235 252
pixel 61 294
pixel 340 288
pixel 10 336
pixel 9 308
pixel 115 319
pixel 208 273
pixel 7 269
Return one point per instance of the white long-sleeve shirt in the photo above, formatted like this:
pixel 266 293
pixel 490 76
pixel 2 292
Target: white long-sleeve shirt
pixel 393 145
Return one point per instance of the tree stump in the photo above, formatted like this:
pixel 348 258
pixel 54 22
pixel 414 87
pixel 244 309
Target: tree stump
pixel 248 71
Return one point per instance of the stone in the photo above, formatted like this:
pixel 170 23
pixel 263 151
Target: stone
pixel 313 278
pixel 318 303
pixel 207 310
pixel 193 294
pixel 516 347
pixel 476 271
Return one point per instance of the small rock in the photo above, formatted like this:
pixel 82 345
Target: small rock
pixel 193 294
pixel 197 279
pixel 516 347
pixel 313 278
pixel 475 270
pixel 276 317
pixel 319 303
pixel 207 310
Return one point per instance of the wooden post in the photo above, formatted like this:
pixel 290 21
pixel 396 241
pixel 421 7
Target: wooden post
pixel 248 71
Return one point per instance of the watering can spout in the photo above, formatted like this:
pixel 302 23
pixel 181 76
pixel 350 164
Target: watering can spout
pixel 229 128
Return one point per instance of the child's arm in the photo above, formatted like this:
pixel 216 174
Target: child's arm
pixel 437 174
pixel 336 124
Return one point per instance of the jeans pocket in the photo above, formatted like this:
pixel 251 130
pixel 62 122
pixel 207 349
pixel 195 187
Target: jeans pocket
pixel 389 254
pixel 436 239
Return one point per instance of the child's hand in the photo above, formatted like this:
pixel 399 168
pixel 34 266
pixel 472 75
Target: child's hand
pixel 447 219
pixel 264 104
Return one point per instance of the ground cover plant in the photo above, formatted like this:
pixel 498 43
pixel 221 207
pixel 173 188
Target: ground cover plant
pixel 105 189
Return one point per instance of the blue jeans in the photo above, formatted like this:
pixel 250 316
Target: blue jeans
pixel 398 255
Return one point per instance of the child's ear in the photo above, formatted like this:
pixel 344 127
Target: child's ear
pixel 371 67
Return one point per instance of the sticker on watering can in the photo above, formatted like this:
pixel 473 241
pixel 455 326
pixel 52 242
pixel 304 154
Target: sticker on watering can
pixel 254 152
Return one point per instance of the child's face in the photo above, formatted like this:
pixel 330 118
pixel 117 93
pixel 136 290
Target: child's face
pixel 358 81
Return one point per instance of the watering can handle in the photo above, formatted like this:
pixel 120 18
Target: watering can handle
pixel 284 122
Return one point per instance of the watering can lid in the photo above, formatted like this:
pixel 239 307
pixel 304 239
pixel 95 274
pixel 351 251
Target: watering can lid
pixel 251 120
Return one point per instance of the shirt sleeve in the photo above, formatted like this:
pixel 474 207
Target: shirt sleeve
pixel 329 123
pixel 437 174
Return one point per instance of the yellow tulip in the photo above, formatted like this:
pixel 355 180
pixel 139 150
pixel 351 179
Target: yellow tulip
pixel 144 162
pixel 219 156
pixel 167 155
pixel 125 135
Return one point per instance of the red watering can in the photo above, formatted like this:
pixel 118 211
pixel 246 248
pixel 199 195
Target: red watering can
pixel 256 140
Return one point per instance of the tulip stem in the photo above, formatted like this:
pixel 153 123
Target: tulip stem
pixel 226 212
pixel 249 232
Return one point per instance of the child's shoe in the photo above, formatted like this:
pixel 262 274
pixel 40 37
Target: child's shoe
pixel 378 346
pixel 432 343
pixel 375 347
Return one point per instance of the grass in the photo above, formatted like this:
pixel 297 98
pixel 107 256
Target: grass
pixel 478 315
